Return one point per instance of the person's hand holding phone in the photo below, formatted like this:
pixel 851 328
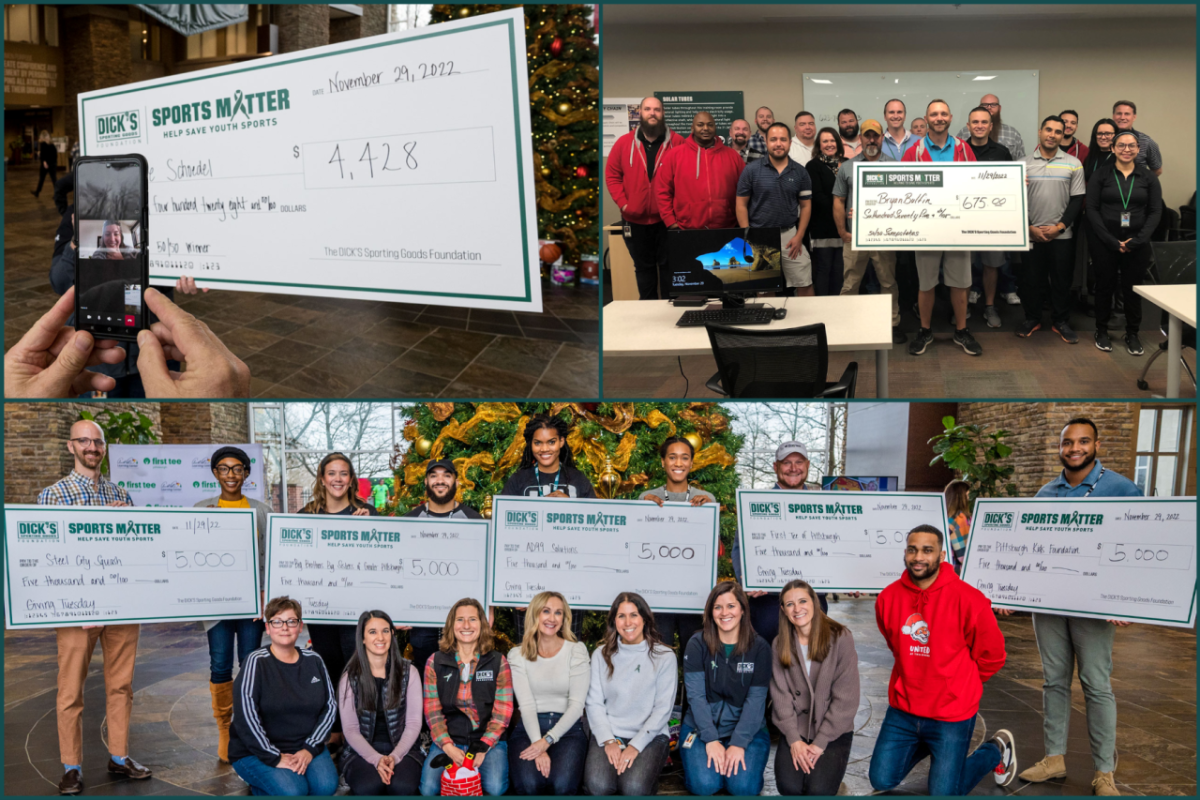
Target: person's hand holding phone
pixel 212 370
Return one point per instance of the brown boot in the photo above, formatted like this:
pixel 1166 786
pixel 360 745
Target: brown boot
pixel 222 706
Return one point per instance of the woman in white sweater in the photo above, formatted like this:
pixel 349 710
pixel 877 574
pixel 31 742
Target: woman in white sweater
pixel 550 680
pixel 634 680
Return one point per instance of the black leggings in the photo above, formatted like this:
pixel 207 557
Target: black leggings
pixel 1119 272
pixel 825 777
pixel 42 173
pixel 364 779
pixel 334 643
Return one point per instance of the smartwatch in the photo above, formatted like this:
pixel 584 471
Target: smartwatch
pixel 549 739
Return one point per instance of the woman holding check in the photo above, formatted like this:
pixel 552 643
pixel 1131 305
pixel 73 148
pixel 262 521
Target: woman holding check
pixel 814 695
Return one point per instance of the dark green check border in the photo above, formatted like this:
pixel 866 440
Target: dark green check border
pixel 941 165
pixel 520 137
pixel 498 501
pixel 56 509
pixel 985 501
pixel 775 493
pixel 382 521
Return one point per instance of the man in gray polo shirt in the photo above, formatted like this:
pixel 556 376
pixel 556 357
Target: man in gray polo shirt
pixel 1149 156
pixel 1056 192
pixel 854 262
pixel 776 192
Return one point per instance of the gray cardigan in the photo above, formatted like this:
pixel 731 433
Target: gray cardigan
pixel 819 707
pixel 261 510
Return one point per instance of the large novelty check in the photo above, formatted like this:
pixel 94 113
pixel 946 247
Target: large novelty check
pixel 397 167
pixel 1128 558
pixel 84 565
pixel 836 541
pixel 940 206
pixel 414 568
pixel 591 550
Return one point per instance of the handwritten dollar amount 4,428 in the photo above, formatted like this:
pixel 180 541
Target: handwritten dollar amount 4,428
pixel 383 158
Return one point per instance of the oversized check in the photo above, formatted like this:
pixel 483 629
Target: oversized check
pixel 66 566
pixel 1128 558
pixel 591 550
pixel 396 167
pixel 940 206
pixel 837 541
pixel 414 568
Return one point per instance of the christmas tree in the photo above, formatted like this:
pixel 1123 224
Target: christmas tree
pixel 614 444
pixel 564 103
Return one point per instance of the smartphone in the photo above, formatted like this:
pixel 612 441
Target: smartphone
pixel 112 265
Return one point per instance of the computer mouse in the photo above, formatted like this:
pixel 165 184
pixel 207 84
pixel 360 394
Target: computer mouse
pixel 780 313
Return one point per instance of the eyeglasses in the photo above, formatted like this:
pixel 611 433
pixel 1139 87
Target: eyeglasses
pixel 1105 135
pixel 236 472
pixel 84 441
pixel 279 623
pixel 990 105
pixel 1125 147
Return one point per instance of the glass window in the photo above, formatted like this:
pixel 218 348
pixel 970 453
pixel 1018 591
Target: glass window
pixel 50 13
pixel 21 24
pixel 1146 420
pixel 202 45
pixel 1161 462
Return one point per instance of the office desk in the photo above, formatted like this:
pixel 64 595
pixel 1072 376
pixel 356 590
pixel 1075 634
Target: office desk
pixel 1179 301
pixel 647 327
pixel 620 264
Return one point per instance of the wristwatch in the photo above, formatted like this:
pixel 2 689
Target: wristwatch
pixel 549 739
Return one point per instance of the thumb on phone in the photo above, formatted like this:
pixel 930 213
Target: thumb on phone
pixel 152 364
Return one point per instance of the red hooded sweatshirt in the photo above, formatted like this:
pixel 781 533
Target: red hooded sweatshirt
pixel 697 187
pixel 946 644
pixel 625 173
pixel 918 152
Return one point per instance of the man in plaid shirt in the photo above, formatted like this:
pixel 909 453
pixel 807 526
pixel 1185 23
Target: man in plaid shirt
pixel 85 486
pixel 764 118
pixel 1006 135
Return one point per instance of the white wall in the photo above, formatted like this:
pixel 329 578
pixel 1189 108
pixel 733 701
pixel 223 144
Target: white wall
pixel 877 440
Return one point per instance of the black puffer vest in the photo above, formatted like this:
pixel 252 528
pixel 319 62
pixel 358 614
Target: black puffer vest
pixel 483 694
pixel 395 716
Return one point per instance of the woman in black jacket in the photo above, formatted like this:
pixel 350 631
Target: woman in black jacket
pixel 825 244
pixel 1124 206
pixel 47 155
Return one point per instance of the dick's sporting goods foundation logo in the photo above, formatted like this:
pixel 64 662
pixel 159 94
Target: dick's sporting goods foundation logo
pixel 119 126
pixel 998 520
pixel 37 532
pixel 765 510
pixel 526 520
pixel 296 536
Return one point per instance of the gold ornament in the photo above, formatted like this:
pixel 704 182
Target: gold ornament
pixel 609 482
pixel 465 11
pixel 563 108
pixel 694 440
pixel 486 511
pixel 422 446
pixel 546 172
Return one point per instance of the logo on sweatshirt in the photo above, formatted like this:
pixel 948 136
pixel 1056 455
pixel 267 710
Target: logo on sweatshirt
pixel 315 680
pixel 916 627
pixel 745 666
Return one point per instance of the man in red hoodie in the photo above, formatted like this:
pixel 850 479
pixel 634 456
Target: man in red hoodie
pixel 697 182
pixel 629 173
pixel 946 644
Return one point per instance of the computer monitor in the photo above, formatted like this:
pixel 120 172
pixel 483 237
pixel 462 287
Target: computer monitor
pixel 846 483
pixel 730 263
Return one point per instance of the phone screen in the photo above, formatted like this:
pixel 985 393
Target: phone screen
pixel 112 243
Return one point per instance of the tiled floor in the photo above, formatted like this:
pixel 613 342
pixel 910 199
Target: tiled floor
pixel 302 347
pixel 173 732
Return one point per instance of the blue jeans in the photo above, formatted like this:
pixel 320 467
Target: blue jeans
pixel 248 634
pixel 704 781
pixel 493 772
pixel 905 739
pixel 567 756
pixel 319 780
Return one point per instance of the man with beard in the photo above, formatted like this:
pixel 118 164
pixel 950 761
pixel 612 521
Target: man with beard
pixel 696 185
pixel 763 119
pixel 86 486
pixel 896 140
pixel 855 261
pixel 946 644
pixel 1149 156
pixel 805 139
pixel 939 145
pixel 979 122
pixel 776 192
pixel 1069 144
pixel 441 490
pixel 1006 135
pixel 848 128
pixel 739 139
pixel 629 174
pixel 1064 642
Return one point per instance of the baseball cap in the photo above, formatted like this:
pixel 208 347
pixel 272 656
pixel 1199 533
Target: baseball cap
pixel 787 448
pixel 444 463
pixel 870 125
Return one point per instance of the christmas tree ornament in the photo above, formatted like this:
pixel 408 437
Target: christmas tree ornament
pixel 486 511
pixel 695 441
pixel 556 46
pixel 563 108
pixel 609 481
pixel 581 172
pixel 465 11
pixel 546 172
pixel 422 446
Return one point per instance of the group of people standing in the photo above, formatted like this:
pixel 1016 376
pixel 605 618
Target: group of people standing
pixel 1105 194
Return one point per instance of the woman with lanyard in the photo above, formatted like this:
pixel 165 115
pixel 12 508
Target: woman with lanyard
pixel 335 492
pixel 547 470
pixel 1124 206
pixel 677 454
pixel 231 466
pixel 1099 154
pixel 822 230
pixel 814 695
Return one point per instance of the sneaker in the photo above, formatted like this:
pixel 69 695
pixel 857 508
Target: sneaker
pixel 1063 329
pixel 967 342
pixel 1133 345
pixel 1105 785
pixel 898 336
pixel 1011 298
pixel 71 783
pixel 1006 770
pixel 920 342
pixel 1028 327
pixel 1049 767
pixel 973 297
pixel 1103 342
pixel 991 317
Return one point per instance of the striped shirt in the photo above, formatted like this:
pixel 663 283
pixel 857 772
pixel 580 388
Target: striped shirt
pixel 502 706
pixel 1149 156
pixel 80 490
pixel 774 196
pixel 1052 184
pixel 1008 136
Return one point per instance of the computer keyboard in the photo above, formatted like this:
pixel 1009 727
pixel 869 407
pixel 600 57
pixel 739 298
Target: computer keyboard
pixel 735 316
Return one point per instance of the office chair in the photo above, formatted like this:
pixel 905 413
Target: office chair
pixel 775 362
pixel 1174 263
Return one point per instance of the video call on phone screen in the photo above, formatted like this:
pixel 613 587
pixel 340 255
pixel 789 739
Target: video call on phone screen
pixel 112 243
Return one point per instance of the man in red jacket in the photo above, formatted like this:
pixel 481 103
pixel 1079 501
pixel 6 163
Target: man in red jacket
pixel 946 644
pixel 629 173
pixel 697 182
